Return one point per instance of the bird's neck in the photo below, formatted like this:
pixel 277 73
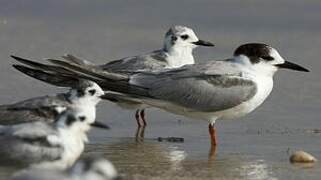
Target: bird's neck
pixel 74 143
pixel 85 101
pixel 177 57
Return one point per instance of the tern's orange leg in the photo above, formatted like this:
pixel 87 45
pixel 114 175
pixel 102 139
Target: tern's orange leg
pixel 137 118
pixel 211 130
pixel 140 132
pixel 142 115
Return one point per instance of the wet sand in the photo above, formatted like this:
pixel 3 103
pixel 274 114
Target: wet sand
pixel 253 147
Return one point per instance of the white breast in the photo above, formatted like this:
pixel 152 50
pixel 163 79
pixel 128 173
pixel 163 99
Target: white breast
pixel 180 57
pixel 264 88
pixel 179 61
pixel 74 145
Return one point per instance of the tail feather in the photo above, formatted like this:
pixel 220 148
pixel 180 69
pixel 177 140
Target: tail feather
pixel 76 60
pixel 62 80
pixel 66 74
pixel 110 81
pixel 51 78
pixel 90 70
pixel 44 67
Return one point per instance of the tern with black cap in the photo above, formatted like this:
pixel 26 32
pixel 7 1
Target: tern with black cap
pixel 217 89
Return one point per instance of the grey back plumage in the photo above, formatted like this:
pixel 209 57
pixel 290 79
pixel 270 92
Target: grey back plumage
pixel 35 109
pixel 211 86
pixel 152 61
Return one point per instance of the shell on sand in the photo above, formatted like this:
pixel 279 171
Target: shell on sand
pixel 302 157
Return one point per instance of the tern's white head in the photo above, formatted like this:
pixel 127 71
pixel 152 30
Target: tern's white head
pixel 72 126
pixel 94 168
pixel 179 44
pixel 178 37
pixel 264 59
pixel 76 120
pixel 87 92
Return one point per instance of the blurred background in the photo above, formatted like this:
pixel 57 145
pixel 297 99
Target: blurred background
pixel 253 147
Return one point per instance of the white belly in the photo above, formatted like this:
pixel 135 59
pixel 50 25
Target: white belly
pixel 264 88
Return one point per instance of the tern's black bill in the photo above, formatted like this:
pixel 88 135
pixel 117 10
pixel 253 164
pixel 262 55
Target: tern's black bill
pixel 203 43
pixel 101 125
pixel 289 65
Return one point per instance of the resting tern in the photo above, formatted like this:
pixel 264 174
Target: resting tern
pixel 43 144
pixel 84 95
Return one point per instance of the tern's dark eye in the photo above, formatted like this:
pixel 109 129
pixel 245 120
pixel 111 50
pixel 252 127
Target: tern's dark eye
pixel 174 38
pixel 92 92
pixel 184 37
pixel 80 93
pixel 70 120
pixel 268 58
pixel 82 118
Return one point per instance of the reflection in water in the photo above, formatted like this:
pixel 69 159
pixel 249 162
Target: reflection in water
pixel 151 159
pixel 91 33
pixel 140 134
pixel 176 156
pixel 256 170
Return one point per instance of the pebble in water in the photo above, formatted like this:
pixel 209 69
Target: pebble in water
pixel 302 157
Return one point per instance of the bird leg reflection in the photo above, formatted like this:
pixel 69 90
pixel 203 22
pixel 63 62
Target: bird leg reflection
pixel 140 132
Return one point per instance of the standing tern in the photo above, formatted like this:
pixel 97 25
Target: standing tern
pixel 177 51
pixel 220 89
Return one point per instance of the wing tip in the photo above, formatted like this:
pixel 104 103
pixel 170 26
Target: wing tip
pixel 15 57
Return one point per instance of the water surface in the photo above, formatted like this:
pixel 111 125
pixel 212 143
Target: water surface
pixel 253 147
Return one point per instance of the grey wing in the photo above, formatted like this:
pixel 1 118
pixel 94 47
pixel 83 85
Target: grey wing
pixel 26 151
pixel 35 109
pixel 31 130
pixel 55 75
pixel 207 93
pixel 152 61
pixel 28 143
pixel 43 101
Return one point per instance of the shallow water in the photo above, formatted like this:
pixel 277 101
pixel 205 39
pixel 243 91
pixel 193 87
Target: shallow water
pixel 253 147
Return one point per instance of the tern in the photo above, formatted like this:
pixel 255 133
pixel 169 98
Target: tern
pixel 177 51
pixel 85 169
pixel 48 145
pixel 84 95
pixel 217 89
